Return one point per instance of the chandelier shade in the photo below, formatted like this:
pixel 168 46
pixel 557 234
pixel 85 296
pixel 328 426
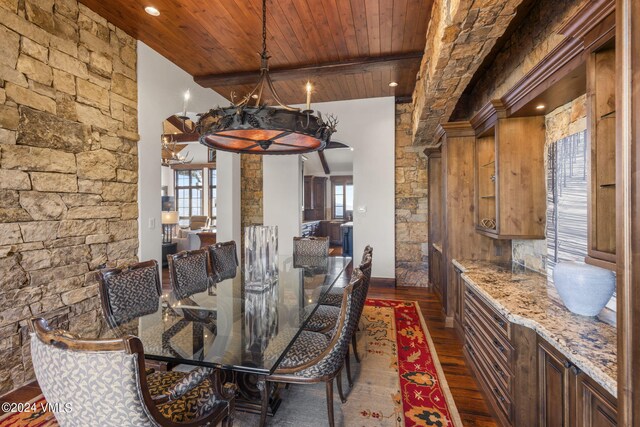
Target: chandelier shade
pixel 253 127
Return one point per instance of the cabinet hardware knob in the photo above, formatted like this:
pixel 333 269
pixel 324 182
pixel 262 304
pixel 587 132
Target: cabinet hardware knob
pixel 498 370
pixel 498 395
pixel 497 344
pixel 567 364
pixel 499 320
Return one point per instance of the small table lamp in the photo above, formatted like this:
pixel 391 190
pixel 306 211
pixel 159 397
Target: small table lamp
pixel 169 220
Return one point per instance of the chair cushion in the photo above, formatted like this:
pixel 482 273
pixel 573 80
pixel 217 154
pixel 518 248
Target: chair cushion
pixel 323 319
pixel 194 404
pixel 333 297
pixel 318 247
pixel 305 348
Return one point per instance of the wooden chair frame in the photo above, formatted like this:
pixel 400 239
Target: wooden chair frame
pixel 132 345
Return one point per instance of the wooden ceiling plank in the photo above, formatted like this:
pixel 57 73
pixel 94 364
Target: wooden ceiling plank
pixel 349 27
pixel 399 18
pixel 334 25
pixel 421 25
pixel 372 10
pixel 310 24
pixel 360 18
pixel 386 26
pixel 413 11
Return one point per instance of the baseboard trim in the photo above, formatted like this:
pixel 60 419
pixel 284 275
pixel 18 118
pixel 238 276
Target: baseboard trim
pixel 383 282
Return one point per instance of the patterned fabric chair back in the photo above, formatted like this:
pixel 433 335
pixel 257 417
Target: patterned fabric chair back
pixel 332 359
pixel 361 293
pixel 99 380
pixel 190 272
pixel 368 250
pixel 224 260
pixel 129 293
pixel 311 246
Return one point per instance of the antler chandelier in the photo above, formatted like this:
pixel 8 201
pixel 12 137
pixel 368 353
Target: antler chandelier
pixel 171 155
pixel 251 126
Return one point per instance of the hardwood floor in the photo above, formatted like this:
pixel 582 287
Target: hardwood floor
pixel 469 400
pixel 474 412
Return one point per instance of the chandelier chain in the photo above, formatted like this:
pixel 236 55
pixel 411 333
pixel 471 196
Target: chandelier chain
pixel 264 28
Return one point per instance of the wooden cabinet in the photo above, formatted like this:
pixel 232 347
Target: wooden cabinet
pixel 503 357
pixel 435 270
pixel 335 233
pixel 510 192
pixel 594 407
pixel 567 396
pixel 435 222
pixel 452 192
pixel 601 128
pixel 553 387
pixel 315 195
pixel 458 290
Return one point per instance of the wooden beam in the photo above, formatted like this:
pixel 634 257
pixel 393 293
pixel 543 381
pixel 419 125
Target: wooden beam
pixel 182 137
pixel 182 126
pixel 349 66
pixel 323 160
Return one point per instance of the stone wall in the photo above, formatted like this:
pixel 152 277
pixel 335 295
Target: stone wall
pixel 411 204
pixel 251 190
pixel 68 168
pixel 567 120
pixel 528 45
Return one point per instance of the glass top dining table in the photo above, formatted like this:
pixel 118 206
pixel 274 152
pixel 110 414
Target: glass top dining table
pixel 237 326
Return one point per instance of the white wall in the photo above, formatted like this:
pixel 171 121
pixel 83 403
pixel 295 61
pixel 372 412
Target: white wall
pixel 282 189
pixel 367 125
pixel 161 86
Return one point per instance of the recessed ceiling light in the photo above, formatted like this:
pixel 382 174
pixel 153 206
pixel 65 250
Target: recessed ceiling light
pixel 540 107
pixel 393 84
pixel 152 11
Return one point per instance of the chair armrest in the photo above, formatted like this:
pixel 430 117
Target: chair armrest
pixel 185 385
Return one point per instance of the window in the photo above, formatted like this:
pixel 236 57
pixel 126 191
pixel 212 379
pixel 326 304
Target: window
pixel 213 192
pixel 342 197
pixel 189 194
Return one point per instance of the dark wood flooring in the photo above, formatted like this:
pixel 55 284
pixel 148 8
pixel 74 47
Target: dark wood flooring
pixel 469 400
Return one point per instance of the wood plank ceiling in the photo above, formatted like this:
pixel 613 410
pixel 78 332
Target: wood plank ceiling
pixel 380 41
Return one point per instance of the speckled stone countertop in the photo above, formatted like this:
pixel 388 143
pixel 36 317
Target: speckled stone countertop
pixel 526 298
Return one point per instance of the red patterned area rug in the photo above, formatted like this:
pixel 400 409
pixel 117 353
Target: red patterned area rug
pixel 399 382
pixel 426 398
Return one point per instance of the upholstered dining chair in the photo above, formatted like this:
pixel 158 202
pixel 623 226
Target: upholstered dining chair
pixel 334 296
pixel 129 292
pixel 311 246
pixel 313 357
pixel 103 381
pixel 190 272
pixel 224 260
pixel 325 317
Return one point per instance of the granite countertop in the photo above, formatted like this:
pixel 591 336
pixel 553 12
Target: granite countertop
pixel 528 299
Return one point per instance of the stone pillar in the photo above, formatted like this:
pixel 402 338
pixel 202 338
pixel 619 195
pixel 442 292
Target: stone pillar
pixel 411 205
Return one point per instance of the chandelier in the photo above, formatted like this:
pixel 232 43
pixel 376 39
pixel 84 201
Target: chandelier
pixel 171 154
pixel 252 126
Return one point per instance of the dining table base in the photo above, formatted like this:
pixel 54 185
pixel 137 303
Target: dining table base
pixel 250 388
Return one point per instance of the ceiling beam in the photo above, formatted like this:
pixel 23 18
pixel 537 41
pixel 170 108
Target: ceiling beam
pixel 323 160
pixel 350 66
